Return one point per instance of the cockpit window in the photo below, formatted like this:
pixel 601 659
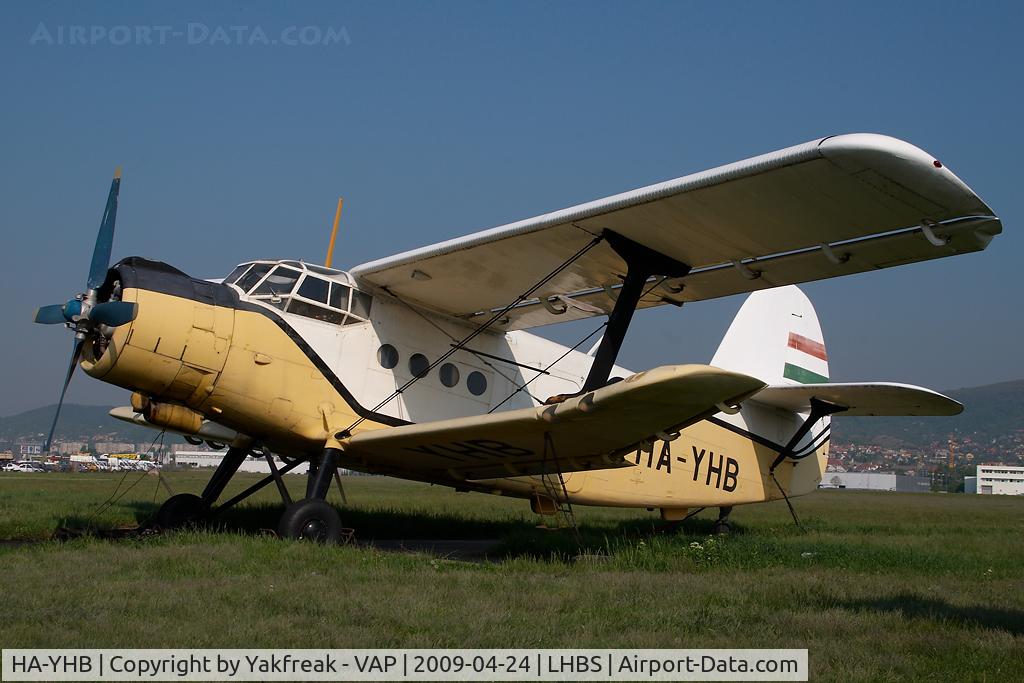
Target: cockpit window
pixel 339 296
pixel 315 312
pixel 314 288
pixel 279 283
pixel 236 273
pixel 248 280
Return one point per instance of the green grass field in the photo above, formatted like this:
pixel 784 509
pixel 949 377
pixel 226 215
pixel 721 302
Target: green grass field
pixel 878 586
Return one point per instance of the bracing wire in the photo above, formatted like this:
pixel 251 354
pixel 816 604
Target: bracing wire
pixel 451 336
pixel 788 503
pixel 115 496
pixel 567 352
pixel 546 369
pixel 478 331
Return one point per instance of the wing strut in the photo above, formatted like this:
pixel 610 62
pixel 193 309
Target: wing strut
pixel 641 263
pixel 819 409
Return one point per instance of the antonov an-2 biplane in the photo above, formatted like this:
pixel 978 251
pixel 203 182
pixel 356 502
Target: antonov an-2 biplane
pixel 420 365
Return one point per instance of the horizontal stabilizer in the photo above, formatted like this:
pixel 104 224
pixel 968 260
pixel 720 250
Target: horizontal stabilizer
pixel 590 431
pixel 862 398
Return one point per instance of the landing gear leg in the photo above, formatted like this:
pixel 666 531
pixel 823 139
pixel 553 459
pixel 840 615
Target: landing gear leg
pixel 311 474
pixel 186 509
pixel 312 518
pixel 722 525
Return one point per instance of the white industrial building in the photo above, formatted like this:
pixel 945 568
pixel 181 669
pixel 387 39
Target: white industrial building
pixel 875 481
pixel 1007 480
pixel 213 458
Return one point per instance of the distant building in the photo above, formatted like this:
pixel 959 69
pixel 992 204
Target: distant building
pixel 1005 480
pixel 28 450
pixel 213 458
pixel 970 484
pixel 113 447
pixel 69 447
pixel 875 481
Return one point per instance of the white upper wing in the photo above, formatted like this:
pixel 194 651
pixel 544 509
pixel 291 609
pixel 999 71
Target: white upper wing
pixel 835 206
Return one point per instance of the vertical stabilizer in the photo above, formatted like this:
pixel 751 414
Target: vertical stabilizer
pixel 776 337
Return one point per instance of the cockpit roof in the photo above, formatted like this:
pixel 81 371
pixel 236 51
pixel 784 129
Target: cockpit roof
pixel 332 273
pixel 305 289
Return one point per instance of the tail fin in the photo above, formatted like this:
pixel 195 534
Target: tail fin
pixel 776 338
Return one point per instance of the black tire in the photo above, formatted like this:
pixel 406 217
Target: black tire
pixel 311 519
pixel 721 527
pixel 181 510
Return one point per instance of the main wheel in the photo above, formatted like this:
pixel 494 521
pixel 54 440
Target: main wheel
pixel 311 519
pixel 181 510
pixel 721 527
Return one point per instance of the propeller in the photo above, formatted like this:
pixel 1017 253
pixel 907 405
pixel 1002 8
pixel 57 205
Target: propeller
pixel 76 355
pixel 111 313
pixel 85 314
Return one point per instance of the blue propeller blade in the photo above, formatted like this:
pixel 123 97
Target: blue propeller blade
pixel 114 313
pixel 105 237
pixel 50 315
pixel 76 354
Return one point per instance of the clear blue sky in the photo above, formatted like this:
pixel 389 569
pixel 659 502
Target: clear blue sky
pixel 435 120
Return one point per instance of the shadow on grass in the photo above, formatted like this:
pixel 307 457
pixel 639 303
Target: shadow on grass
pixel 916 607
pixel 444 535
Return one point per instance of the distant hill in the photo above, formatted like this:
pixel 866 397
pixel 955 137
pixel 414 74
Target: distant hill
pixel 77 423
pixel 990 412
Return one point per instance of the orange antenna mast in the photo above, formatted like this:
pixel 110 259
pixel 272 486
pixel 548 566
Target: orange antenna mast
pixel 334 233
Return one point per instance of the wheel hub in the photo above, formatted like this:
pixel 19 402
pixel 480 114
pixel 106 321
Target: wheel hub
pixel 314 529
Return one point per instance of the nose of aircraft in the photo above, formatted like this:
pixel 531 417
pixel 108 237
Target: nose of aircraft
pixel 176 346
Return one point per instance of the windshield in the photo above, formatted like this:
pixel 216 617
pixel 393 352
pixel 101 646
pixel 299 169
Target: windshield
pixel 279 283
pixel 252 276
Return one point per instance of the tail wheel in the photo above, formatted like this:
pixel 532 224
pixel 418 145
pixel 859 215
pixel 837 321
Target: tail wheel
pixel 184 509
pixel 311 519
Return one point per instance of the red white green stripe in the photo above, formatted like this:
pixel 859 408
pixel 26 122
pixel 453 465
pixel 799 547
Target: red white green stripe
pixel 802 375
pixel 808 346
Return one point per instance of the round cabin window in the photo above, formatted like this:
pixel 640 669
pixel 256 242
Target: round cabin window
pixel 418 365
pixel 477 383
pixel 449 374
pixel 387 356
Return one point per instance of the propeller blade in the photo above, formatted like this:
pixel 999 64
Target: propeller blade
pixel 76 354
pixel 105 237
pixel 50 315
pixel 114 313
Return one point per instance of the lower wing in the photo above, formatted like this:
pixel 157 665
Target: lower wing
pixel 583 432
